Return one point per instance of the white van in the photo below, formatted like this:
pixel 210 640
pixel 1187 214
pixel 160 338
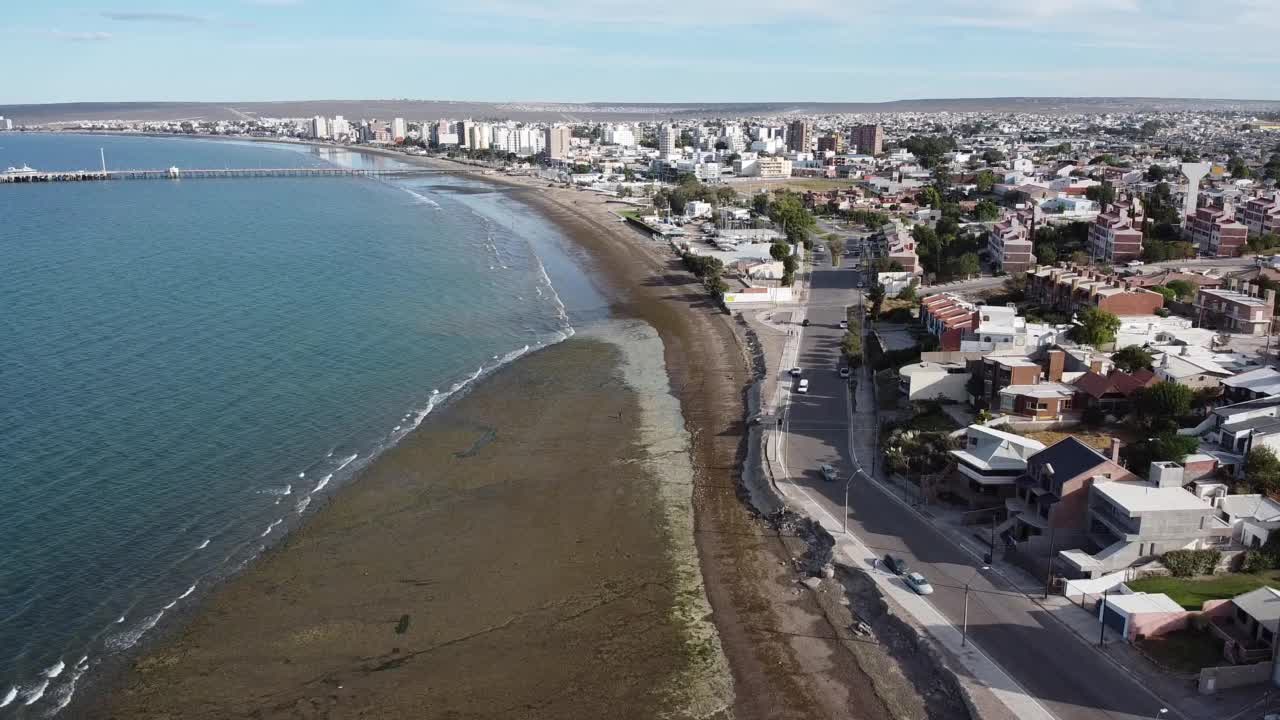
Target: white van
pixel 803 387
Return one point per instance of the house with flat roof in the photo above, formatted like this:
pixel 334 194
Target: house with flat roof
pixel 1252 517
pixel 1251 384
pixel 1046 401
pixel 1249 628
pixel 1238 308
pixel 1234 430
pixel 934 381
pixel 990 461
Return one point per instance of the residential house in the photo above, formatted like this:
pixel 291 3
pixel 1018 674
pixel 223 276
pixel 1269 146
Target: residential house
pixel 947 317
pixel 1131 521
pixel 1261 382
pixel 1249 628
pixel 934 381
pixel 1054 492
pixel 1112 393
pixel 990 461
pixel 1252 517
pixel 999 327
pixel 900 247
pixel 993 373
pixel 1239 308
pixel 1071 289
pixel 1045 401
pixel 1183 365
pixel 1231 431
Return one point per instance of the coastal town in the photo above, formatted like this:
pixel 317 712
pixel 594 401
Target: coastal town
pixel 1018 366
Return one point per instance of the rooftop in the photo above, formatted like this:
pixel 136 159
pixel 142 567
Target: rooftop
pixel 1144 603
pixel 1262 605
pixel 1233 296
pixel 1144 497
pixel 1258 507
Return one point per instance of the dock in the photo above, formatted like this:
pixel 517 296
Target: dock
pixel 28 175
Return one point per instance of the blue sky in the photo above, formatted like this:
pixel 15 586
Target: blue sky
pixel 635 50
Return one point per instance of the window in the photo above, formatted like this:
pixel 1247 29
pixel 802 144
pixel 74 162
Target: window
pixel 1042 405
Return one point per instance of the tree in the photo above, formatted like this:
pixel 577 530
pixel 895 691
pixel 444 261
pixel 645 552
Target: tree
pixel 1096 327
pixel 686 138
pixel 968 264
pixel 1184 288
pixel 1159 406
pixel 1168 293
pixel 1238 167
pixel 1046 253
pixel 726 195
pixel 628 174
pixel 779 251
pixel 929 149
pixel 1262 470
pixel 789 212
pixel 1156 173
pixel 1170 447
pixel 930 196
pixel 760 202
pixel 624 192
pixel 1103 194
pixel 986 211
pixel 1080 257
pixel 1132 357
pixel 662 199
pixel 876 295
pixel 985 181
pixel 992 156
pixel 908 293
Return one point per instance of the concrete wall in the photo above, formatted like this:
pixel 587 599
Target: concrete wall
pixel 1233 676
pixel 930 386
pixel 1155 624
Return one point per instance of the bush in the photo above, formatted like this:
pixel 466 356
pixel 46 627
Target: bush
pixel 1187 563
pixel 1256 561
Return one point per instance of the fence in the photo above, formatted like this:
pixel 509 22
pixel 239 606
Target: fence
pixel 1213 679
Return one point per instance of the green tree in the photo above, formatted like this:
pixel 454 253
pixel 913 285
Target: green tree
pixel 726 195
pixel 1156 173
pixel 1238 167
pixel 992 156
pixel 789 212
pixel 1169 293
pixel 760 202
pixel 876 295
pixel 1262 470
pixel 1096 327
pixel 985 181
pixel 779 251
pixel 836 245
pixel 662 199
pixel 930 196
pixel 1046 253
pixel 1184 288
pixel 628 174
pixel 1132 357
pixel 908 293
pixel 1160 406
pixel 1080 257
pixel 1170 447
pixel 986 211
pixel 1103 194
pixel 968 264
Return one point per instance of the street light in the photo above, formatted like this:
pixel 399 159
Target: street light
pixel 964 629
pixel 1162 713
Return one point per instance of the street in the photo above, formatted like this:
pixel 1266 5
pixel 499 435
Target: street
pixel 1069 679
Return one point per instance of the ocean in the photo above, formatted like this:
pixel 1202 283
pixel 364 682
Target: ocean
pixel 187 368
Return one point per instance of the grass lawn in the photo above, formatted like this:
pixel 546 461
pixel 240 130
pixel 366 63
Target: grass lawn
pixel 1185 650
pixel 1191 593
pixel 633 214
pixel 797 184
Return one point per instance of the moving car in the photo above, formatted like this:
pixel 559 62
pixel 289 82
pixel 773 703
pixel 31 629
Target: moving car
pixel 795 372
pixel 805 322
pixel 828 472
pixel 917 582
pixel 895 565
pixel 844 324
pixel 803 387
pixel 844 373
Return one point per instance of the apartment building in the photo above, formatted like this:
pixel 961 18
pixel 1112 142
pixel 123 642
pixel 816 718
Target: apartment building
pixel 1238 308
pixel 869 139
pixel 1114 236
pixel 1261 215
pixel 994 373
pixel 947 318
pixel 832 141
pixel 1009 246
pixel 800 136
pixel 900 247
pixel 559 138
pixel 1215 232
pixel 769 167
pixel 999 327
pixel 1071 289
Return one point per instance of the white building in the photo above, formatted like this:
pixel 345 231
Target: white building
pixel 992 459
pixel 1001 328
pixel 620 135
pixel 668 140
pixel 319 128
pixel 697 209
pixel 5 123
pixel 399 130
pixel 339 128
pixel 934 381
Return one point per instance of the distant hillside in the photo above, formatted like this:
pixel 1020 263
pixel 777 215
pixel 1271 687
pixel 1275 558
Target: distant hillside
pixel 551 111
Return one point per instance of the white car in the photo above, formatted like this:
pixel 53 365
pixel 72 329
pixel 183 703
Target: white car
pixel 803 387
pixel 828 472
pixel 916 582
pixel 795 372
pixel 844 324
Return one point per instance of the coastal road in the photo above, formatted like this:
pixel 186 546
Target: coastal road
pixel 1070 680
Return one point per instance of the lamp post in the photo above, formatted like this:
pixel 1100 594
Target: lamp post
pixel 847 483
pixel 1102 620
pixel 964 628
pixel 1048 571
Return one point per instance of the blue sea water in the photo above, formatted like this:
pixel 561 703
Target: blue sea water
pixel 187 367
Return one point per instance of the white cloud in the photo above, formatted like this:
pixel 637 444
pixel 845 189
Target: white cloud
pixel 90 36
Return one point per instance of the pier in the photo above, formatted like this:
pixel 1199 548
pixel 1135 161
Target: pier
pixel 28 175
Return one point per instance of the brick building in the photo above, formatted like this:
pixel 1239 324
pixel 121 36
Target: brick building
pixel 1054 493
pixel 1009 245
pixel 1238 308
pixel 1215 233
pixel 1071 289
pixel 1114 236
pixel 947 318
pixel 869 139
pixel 1261 215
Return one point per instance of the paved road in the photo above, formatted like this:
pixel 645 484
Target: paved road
pixel 1070 680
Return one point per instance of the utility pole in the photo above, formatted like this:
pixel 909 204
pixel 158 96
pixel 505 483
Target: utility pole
pixel 847 483
pixel 964 629
pixel 1102 620
pixel 1048 571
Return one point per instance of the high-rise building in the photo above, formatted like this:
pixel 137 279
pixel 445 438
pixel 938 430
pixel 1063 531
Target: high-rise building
pixel 869 139
pixel 800 136
pixel 832 141
pixel 399 131
pixel 668 140
pixel 464 133
pixel 620 135
pixel 479 136
pixel 559 138
pixel 5 123
pixel 339 128
pixel 319 128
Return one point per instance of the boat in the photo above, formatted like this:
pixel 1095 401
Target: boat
pixel 24 170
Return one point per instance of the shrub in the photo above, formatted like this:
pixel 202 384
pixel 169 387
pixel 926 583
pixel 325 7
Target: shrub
pixel 1256 561
pixel 1186 563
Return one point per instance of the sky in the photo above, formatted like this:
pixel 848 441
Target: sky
pixel 635 50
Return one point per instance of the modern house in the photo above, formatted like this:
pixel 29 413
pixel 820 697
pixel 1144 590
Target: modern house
pixel 947 318
pixel 994 373
pixel 990 461
pixel 1053 495
pixel 1237 429
pixel 1252 518
pixel 934 381
pixel 1129 521
pixel 1262 382
pixel 1046 401
pixel 1071 289
pixel 1249 629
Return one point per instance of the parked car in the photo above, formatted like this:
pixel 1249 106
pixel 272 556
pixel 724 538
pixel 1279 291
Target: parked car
pixel 828 472
pixel 917 582
pixel 844 324
pixel 803 387
pixel 805 322
pixel 844 373
pixel 795 372
pixel 895 565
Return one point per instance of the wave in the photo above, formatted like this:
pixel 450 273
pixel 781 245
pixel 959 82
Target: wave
pixel 302 475
pixel 9 696
pixel 189 591
pixel 54 670
pixel 171 604
pixel 346 462
pixel 286 490
pixel 323 481
pixel 561 311
pixel 35 693
pixel 422 199
pixel 130 637
pixel 62 695
pixel 302 504
pixel 271 527
pixel 203 545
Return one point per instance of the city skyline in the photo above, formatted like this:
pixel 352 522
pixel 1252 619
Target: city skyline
pixel 702 51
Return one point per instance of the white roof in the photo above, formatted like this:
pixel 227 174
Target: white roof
pixel 1257 507
pixel 1042 390
pixel 929 367
pixel 1144 497
pixel 996 453
pixel 1144 603
pixel 1262 604
pixel 1263 380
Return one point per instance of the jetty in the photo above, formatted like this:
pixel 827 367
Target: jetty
pixel 25 174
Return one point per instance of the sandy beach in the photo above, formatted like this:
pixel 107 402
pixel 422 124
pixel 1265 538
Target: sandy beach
pixel 574 598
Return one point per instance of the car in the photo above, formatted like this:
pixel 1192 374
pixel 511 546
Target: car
pixel 844 324
pixel 844 373
pixel 796 372
pixel 803 387
pixel 1136 263
pixel 916 582
pixel 895 565
pixel 828 472
pixel 804 322
pixel 859 284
